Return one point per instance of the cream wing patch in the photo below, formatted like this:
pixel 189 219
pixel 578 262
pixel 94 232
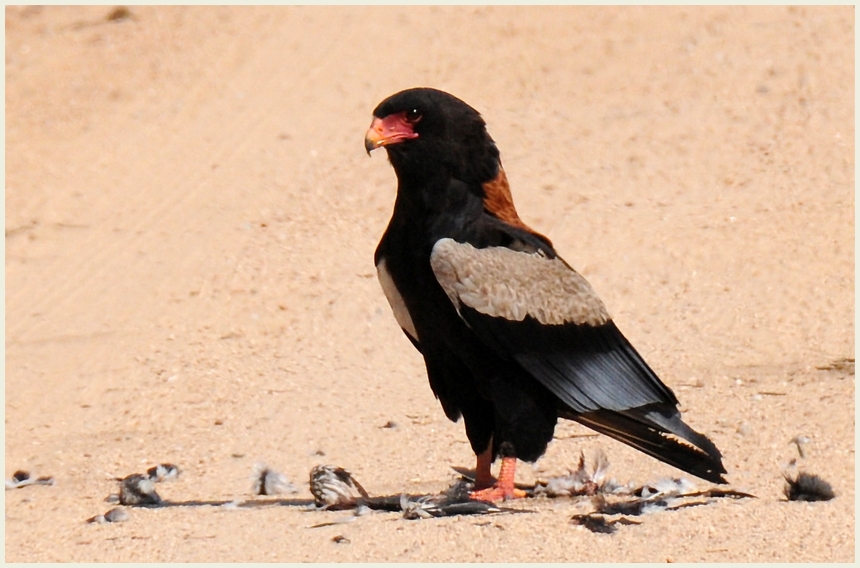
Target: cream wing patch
pixel 395 300
pixel 501 282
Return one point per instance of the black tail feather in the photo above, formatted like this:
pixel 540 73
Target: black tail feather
pixel 648 429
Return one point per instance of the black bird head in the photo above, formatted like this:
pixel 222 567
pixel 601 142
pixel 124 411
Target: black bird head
pixel 427 131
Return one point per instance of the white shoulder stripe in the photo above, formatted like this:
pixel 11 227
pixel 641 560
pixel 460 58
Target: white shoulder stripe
pixel 500 282
pixel 395 300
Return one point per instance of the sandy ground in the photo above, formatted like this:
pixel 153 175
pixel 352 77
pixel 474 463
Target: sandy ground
pixel 190 224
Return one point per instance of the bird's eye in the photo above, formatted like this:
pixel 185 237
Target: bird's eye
pixel 413 115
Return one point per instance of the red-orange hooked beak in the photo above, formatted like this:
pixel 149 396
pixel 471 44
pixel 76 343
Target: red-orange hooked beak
pixel 389 130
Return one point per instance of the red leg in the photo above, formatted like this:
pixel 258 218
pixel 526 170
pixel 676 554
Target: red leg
pixel 504 488
pixel 483 477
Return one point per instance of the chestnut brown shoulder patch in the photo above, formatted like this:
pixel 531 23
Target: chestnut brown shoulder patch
pixel 501 282
pixel 499 201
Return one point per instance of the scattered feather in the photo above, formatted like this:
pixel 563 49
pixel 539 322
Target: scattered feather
pixel 269 482
pixel 460 490
pixel 163 472
pixel 634 507
pixel 580 481
pixel 800 442
pixel 665 487
pixel 335 488
pixel 807 487
pixel 456 500
pixel 137 489
pixel 665 494
pixel 22 478
pixel 430 506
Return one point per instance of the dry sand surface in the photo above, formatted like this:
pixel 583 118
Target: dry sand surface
pixel 190 226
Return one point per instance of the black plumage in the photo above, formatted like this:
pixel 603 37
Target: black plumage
pixel 512 337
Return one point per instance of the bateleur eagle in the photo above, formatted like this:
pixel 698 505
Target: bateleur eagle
pixel 512 337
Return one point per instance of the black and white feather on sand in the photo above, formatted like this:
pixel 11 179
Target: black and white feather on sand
pixel 23 478
pixel 807 487
pixel 138 490
pixel 163 472
pixel 267 481
pixel 580 481
pixel 335 488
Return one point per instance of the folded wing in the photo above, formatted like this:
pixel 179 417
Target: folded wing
pixel 544 315
pixel 541 314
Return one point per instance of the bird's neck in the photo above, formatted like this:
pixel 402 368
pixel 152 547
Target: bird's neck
pixel 434 194
pixel 439 206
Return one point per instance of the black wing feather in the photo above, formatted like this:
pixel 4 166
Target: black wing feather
pixel 587 367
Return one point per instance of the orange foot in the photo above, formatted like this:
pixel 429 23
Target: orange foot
pixel 503 489
pixel 497 493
